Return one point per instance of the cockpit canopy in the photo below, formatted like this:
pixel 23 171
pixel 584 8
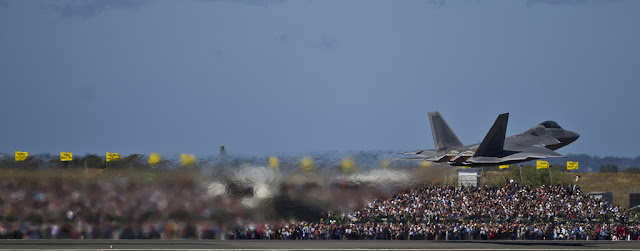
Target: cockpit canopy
pixel 550 124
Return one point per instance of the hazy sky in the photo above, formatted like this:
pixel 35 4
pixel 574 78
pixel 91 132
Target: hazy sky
pixel 263 77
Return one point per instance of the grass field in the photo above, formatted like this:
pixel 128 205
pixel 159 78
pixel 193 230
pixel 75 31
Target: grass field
pixel 620 184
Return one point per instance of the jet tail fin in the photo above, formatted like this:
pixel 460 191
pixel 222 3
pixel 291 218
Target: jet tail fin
pixel 443 137
pixel 493 142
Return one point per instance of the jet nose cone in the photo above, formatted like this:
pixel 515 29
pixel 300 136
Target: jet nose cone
pixel 572 136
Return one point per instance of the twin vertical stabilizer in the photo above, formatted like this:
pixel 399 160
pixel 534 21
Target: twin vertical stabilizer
pixel 446 140
pixel 443 137
pixel 493 143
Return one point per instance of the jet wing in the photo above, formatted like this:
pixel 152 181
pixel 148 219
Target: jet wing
pixel 524 154
pixel 540 152
pixel 424 153
pixel 410 158
pixel 428 155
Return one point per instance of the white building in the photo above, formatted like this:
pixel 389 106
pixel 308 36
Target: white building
pixel 468 177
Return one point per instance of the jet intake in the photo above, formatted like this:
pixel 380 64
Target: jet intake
pixel 462 157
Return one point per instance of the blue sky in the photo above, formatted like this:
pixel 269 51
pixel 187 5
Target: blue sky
pixel 264 77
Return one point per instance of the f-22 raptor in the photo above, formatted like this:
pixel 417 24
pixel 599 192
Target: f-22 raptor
pixel 538 142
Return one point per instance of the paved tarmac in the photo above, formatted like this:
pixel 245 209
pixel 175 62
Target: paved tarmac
pixel 314 245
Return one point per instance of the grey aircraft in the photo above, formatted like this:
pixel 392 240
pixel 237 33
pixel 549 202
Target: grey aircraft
pixel 538 142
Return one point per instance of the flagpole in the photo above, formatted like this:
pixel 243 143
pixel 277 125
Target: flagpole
pixel 521 180
pixel 15 163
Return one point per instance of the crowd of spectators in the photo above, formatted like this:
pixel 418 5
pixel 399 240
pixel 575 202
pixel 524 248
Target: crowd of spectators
pixel 123 209
pixel 472 213
pixel 113 209
pixel 456 231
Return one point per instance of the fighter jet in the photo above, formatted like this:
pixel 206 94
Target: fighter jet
pixel 538 142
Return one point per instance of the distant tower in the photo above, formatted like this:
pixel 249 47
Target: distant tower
pixel 222 151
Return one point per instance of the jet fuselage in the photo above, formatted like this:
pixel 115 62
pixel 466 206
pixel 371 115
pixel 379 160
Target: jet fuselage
pixel 536 143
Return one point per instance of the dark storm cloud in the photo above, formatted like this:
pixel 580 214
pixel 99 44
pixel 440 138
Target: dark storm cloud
pixel 570 2
pixel 92 8
pixel 259 3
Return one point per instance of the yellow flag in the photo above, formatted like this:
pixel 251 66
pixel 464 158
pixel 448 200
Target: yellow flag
pixel 504 166
pixel 113 157
pixel 21 156
pixel 571 165
pixel 187 159
pixel 348 165
pixel 154 158
pixel 540 164
pixel 65 156
pixel 425 163
pixel 273 163
pixel 384 164
pixel 306 164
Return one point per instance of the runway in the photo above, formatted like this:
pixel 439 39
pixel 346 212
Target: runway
pixel 312 245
